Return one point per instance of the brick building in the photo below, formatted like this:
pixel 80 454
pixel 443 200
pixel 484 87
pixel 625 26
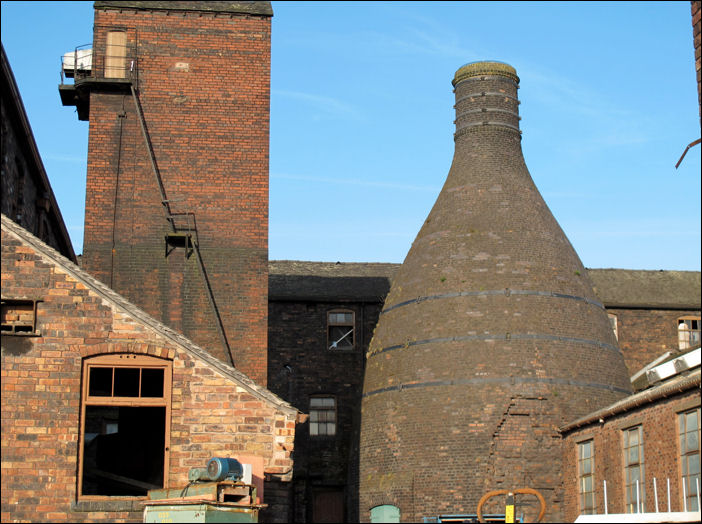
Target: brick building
pixel 82 439
pixel 101 402
pixel 635 455
pixel 644 308
pixel 178 99
pixel 319 317
pixel 26 196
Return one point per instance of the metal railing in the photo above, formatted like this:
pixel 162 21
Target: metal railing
pixel 83 63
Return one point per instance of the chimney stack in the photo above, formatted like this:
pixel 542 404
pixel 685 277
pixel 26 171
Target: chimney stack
pixel 491 336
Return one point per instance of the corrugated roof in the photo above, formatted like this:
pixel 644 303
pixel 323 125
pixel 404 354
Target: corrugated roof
pixel 140 315
pixel 649 289
pixel 328 281
pixel 243 7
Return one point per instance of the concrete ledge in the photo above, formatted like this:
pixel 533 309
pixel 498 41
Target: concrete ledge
pixel 87 506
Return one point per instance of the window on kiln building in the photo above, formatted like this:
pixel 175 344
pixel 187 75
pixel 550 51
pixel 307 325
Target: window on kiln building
pixel 586 477
pixel 340 330
pixel 688 332
pixel 689 428
pixel 634 497
pixel 322 416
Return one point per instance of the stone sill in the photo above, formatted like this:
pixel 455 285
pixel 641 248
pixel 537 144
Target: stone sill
pixel 87 506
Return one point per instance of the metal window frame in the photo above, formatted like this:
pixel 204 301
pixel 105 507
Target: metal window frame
pixel 627 467
pixel 683 453
pixel 351 325
pixel 581 493
pixel 334 408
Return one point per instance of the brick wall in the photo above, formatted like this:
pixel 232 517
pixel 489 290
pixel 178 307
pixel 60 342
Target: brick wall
pixel 215 411
pixel 645 334
pixel 661 455
pixel 203 82
pixel 298 338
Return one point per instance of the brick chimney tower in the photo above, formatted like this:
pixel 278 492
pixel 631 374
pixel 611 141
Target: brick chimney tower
pixel 491 336
pixel 178 99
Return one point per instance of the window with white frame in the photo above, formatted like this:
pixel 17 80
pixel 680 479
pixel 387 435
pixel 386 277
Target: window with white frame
pixel 634 488
pixel 322 416
pixel 688 332
pixel 689 430
pixel 340 330
pixel 586 477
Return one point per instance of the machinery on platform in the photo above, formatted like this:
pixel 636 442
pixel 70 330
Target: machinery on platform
pixel 220 492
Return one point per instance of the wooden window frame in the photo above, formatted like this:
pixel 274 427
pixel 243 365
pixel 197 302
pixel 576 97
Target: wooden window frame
pixel 685 453
pixel 581 493
pixel 324 409
pixel 332 344
pixel 124 360
pixel 630 487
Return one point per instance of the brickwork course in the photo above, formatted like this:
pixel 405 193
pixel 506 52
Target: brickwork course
pixel 26 195
pixel 201 71
pixel 214 410
pixel 491 335
pixel 656 410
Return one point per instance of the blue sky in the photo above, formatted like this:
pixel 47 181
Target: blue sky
pixel 362 119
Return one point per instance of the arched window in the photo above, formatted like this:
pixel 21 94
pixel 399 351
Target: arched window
pixel 385 513
pixel 125 414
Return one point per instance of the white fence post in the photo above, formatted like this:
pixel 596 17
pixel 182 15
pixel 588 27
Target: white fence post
pixel 604 483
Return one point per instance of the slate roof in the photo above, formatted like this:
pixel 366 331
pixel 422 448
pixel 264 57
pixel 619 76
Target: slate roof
pixel 294 280
pixel 119 302
pixel 343 281
pixel 242 7
pixel 648 289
